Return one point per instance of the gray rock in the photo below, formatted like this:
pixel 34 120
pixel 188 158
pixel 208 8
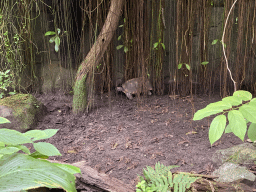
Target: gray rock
pixel 22 110
pixel 241 154
pixel 230 172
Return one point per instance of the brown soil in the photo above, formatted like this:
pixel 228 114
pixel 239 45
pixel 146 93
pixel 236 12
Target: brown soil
pixel 120 137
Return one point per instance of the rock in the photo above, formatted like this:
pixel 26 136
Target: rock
pixel 241 154
pixel 22 110
pixel 135 86
pixel 230 172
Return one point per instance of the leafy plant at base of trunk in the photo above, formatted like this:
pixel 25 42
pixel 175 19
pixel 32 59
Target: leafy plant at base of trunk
pixel 162 179
pixel 19 171
pixel 5 83
pixel 241 110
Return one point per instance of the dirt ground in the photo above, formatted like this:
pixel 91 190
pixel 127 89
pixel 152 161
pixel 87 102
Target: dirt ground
pixel 120 137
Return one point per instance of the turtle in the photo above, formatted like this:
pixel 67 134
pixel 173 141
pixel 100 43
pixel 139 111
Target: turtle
pixel 134 86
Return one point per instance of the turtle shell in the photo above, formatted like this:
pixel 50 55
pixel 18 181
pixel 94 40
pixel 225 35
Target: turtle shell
pixel 134 86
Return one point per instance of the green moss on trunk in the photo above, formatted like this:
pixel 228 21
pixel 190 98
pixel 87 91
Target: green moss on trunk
pixel 80 96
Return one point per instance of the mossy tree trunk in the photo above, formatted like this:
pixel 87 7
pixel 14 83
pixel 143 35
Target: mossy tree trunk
pixel 95 54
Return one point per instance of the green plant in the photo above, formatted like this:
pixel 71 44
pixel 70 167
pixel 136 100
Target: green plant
pixel 186 65
pixel 162 179
pixel 5 82
pixel 56 38
pixel 119 38
pixel 240 109
pixel 158 44
pixel 23 171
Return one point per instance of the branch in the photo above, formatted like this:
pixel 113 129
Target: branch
pixel 223 47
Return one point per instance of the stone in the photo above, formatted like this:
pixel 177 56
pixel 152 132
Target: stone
pixel 22 110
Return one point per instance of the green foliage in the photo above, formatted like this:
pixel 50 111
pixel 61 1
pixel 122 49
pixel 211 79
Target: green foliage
pixel 162 179
pixel 186 65
pixel 5 82
pixel 22 171
pixel 158 44
pixel 240 109
pixel 204 62
pixel 120 38
pixel 56 38
pixel 215 41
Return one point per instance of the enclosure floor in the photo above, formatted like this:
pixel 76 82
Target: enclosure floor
pixel 120 137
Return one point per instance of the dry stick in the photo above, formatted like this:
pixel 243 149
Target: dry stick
pixel 223 47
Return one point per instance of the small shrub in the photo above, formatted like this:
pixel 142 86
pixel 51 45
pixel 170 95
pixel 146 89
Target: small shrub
pixel 162 179
pixel 22 171
pixel 5 83
pixel 240 110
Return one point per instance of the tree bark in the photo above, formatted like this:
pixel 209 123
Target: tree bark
pixel 95 54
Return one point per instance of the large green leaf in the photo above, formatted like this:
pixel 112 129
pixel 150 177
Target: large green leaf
pixel 69 168
pixel 46 149
pixel 211 109
pixel 249 111
pixel 252 132
pixel 21 172
pixel 4 120
pixel 217 128
pixel 12 137
pixel 233 100
pixel 50 33
pixel 9 150
pixel 237 123
pixel 35 135
pixel 244 95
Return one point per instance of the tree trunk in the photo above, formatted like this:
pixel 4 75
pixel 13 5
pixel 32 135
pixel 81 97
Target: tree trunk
pixel 95 54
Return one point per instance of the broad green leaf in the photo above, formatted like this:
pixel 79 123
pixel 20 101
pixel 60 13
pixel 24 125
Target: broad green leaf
pixel 217 128
pixel 249 112
pixel 119 47
pixel 205 62
pixel 57 41
pixel 228 129
pixel 50 132
pixel 4 120
pixel 12 137
pixel 23 148
pixel 9 150
pixel 56 47
pixel 179 65
pixel 50 33
pixel 233 100
pixel 119 37
pixel 69 168
pixel 244 95
pixel 163 46
pixel 19 172
pixel 46 149
pixel 252 132
pixel 125 49
pixel 237 123
pixel 214 41
pixel 155 45
pixel 188 67
pixel 38 155
pixel 121 25
pixel 35 134
pixel 211 109
pixel 58 30
pixel 52 39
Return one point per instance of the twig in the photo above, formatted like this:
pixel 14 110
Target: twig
pixel 223 47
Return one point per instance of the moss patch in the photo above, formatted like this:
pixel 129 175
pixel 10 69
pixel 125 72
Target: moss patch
pixel 25 107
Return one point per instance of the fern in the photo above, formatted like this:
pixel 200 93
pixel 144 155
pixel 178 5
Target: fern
pixel 161 179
